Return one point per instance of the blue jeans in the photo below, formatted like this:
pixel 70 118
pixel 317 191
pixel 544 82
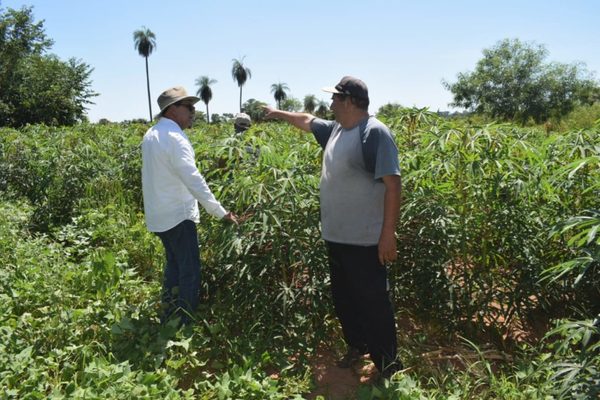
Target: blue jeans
pixel 181 282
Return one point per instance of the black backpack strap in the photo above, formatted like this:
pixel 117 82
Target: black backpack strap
pixel 369 142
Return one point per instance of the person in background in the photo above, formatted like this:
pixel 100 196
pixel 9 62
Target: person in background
pixel 359 210
pixel 172 186
pixel 241 123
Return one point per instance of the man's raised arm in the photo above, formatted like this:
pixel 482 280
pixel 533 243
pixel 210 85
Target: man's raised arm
pixel 299 120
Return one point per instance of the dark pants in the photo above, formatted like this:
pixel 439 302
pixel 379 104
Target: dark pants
pixel 181 281
pixel 361 301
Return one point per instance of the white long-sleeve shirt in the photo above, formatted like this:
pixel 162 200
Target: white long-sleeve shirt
pixel 171 183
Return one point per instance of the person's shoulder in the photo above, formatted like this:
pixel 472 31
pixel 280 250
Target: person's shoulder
pixel 319 123
pixel 151 131
pixel 168 127
pixel 166 124
pixel 376 128
pixel 374 124
pixel 168 133
pixel 318 120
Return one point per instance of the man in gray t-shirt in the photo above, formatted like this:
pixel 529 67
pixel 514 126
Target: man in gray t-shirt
pixel 360 199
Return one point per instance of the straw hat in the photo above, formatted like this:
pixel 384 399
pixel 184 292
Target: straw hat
pixel 172 96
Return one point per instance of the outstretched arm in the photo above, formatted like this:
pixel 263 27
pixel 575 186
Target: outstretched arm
pixel 299 120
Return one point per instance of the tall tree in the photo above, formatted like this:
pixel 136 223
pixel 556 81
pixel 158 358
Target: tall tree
pixel 310 103
pixel 53 92
pixel 20 37
pixel 512 81
pixel 279 91
pixel 145 42
pixel 35 87
pixel 240 74
pixel 205 92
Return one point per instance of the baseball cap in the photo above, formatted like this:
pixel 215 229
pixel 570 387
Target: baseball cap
pixel 350 86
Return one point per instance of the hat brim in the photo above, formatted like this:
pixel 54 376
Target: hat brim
pixel 331 90
pixel 193 99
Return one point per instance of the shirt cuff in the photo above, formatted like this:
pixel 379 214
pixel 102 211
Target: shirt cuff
pixel 218 212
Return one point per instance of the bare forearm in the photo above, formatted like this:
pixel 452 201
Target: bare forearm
pixel 391 210
pixel 299 120
pixel 391 204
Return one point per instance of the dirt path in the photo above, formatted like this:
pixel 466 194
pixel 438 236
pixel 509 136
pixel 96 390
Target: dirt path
pixel 335 383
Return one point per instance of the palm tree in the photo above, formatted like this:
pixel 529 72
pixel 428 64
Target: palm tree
pixel 145 42
pixel 240 74
pixel 310 103
pixel 205 92
pixel 279 92
pixel 322 109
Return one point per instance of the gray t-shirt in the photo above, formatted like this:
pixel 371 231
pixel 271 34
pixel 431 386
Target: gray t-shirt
pixel 351 197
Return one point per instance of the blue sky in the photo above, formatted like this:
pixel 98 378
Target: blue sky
pixel 401 49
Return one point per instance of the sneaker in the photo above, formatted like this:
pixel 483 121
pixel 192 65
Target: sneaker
pixel 350 358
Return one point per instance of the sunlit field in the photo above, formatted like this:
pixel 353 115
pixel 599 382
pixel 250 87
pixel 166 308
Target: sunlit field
pixel 496 288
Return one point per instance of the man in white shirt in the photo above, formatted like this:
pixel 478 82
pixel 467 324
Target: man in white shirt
pixel 172 187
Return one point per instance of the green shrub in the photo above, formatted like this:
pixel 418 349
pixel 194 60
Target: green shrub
pixel 497 224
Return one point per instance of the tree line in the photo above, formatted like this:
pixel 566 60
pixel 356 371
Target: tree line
pixel 511 82
pixel 37 87
pixel 145 43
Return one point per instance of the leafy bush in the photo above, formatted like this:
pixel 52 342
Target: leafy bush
pixel 496 227
pixel 582 117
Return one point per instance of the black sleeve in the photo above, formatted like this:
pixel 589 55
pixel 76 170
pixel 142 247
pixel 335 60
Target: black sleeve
pixel 321 129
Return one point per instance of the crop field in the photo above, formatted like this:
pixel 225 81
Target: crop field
pixel 496 289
